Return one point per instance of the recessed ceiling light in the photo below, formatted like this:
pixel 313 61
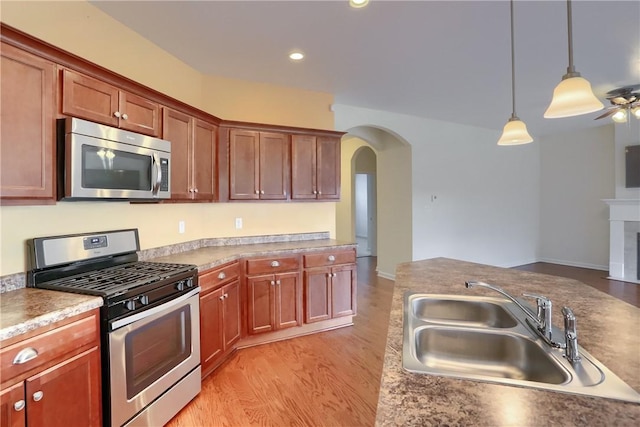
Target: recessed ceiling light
pixel 296 56
pixel 358 3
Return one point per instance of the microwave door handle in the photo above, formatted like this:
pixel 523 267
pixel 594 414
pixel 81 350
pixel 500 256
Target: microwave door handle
pixel 156 185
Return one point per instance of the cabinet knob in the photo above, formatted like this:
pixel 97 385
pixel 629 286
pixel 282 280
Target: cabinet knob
pixel 277 282
pixel 275 264
pixel 125 117
pixel 257 191
pixel 117 114
pixel 315 192
pixel 262 192
pixel 221 297
pixel 19 405
pixel 25 355
pixel 226 296
pixel 38 395
pixel 334 275
pixel 319 193
pixel 273 283
pixel 222 275
pixel 331 258
pixel 195 190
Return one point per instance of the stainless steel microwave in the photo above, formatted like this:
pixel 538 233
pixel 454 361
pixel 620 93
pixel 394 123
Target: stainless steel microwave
pixel 102 162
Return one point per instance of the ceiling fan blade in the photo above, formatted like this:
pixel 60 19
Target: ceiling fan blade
pixel 607 113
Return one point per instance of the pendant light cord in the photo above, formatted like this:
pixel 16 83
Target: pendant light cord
pixel 570 69
pixel 513 70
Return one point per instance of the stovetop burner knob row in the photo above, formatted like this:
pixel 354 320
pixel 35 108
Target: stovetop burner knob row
pixel 131 304
pixel 184 284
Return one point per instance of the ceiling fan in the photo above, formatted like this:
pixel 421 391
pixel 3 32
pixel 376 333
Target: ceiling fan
pixel 624 101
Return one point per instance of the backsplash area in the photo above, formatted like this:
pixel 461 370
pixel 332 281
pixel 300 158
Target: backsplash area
pixel 16 281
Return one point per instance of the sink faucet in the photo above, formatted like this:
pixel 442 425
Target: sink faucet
pixel 570 335
pixel 540 321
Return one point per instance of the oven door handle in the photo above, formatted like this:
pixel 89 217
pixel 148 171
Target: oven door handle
pixel 147 313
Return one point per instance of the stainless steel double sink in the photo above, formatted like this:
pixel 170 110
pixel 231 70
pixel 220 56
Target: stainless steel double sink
pixel 487 339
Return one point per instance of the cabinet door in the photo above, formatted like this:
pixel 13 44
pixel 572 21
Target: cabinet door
pixel 13 406
pixel 231 314
pixel 67 394
pixel 89 98
pixel 177 128
pixel 138 114
pixel 261 304
pixel 303 167
pixel 343 291
pixel 317 295
pixel 244 148
pixel 288 300
pixel 211 344
pixel 204 160
pixel 27 135
pixel 328 168
pixel 274 166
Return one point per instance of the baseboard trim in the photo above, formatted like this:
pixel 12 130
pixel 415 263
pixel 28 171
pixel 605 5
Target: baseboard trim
pixel 386 275
pixel 575 264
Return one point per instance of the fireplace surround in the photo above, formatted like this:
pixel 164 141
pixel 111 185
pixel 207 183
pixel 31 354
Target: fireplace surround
pixel 624 226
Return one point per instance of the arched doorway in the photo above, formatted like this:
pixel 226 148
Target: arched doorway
pixel 365 201
pixel 393 212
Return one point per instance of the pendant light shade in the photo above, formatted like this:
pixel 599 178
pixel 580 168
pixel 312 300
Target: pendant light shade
pixel 573 95
pixel 515 131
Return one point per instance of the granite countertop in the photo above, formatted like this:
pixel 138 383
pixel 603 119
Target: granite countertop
pixel 607 328
pixel 212 256
pixel 26 309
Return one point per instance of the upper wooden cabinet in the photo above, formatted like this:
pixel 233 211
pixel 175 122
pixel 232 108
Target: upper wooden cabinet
pixel 92 99
pixel 193 156
pixel 315 167
pixel 27 135
pixel 258 165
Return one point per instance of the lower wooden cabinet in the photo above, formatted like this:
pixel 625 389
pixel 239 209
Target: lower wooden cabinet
pixel 274 302
pixel 220 308
pixel 329 292
pixel 61 385
pixel 329 285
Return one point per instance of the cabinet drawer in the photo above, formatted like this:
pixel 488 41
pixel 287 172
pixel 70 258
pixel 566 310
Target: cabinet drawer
pixel 43 349
pixel 272 265
pixel 330 258
pixel 215 277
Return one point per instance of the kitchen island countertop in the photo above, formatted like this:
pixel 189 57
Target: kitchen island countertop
pixel 607 328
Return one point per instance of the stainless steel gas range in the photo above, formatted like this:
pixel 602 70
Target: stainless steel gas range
pixel 150 321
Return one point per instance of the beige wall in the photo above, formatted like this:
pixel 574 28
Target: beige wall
pixel 84 30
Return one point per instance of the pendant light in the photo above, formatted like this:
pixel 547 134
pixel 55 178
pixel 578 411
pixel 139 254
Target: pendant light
pixel 515 131
pixel 573 95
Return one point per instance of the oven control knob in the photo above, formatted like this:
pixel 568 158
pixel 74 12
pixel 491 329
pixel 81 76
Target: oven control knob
pixel 144 300
pixel 130 304
pixel 180 285
pixel 189 283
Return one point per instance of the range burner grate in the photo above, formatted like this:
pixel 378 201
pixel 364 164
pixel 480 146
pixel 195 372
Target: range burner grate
pixel 113 280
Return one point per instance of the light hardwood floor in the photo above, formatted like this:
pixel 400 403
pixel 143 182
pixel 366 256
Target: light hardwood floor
pixel 331 378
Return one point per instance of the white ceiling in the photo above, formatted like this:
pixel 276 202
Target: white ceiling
pixel 447 60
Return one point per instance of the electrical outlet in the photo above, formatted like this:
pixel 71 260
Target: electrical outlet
pixel 181 227
pixel 238 223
